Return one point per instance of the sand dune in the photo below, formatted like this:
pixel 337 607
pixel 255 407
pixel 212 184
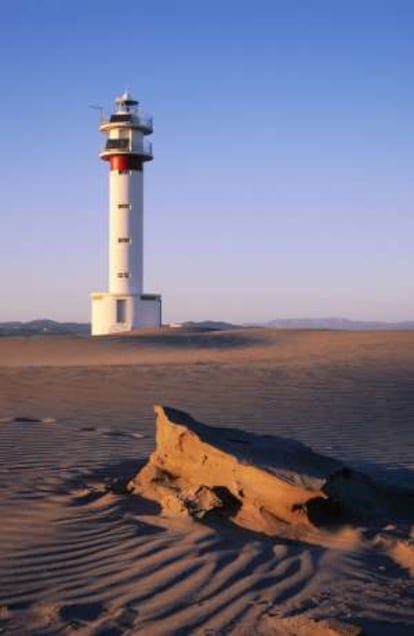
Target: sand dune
pixel 271 485
pixel 178 346
pixel 80 556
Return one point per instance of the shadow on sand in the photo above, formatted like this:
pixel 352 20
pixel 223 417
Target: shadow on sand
pixel 192 339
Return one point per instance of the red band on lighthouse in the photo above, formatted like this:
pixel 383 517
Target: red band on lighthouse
pixel 125 162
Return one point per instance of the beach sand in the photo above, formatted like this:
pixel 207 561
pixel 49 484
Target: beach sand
pixel 78 555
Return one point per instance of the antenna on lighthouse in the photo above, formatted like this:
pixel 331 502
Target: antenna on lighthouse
pixel 97 107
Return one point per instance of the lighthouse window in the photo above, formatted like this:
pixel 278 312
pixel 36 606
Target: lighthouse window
pixel 121 310
pixel 117 144
pixel 124 240
pixel 123 172
pixel 125 206
pixel 123 275
pixel 121 118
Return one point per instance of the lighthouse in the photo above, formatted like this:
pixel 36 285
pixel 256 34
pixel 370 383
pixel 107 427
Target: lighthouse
pixel 125 306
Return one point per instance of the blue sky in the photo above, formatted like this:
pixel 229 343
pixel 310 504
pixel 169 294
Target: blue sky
pixel 282 183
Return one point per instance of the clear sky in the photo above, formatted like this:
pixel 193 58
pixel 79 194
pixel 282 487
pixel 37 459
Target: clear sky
pixel 282 183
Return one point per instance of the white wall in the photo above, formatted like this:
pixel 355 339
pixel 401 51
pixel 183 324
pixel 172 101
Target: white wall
pixel 126 223
pixel 139 313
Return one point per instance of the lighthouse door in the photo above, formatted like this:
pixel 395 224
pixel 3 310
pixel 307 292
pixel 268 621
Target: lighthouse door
pixel 121 310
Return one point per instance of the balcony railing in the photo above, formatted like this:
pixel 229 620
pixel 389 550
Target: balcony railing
pixel 140 120
pixel 145 121
pixel 143 148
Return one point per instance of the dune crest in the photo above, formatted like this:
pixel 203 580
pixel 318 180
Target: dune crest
pixel 264 483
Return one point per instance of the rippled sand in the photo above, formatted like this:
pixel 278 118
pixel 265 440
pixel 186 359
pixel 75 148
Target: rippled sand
pixel 78 554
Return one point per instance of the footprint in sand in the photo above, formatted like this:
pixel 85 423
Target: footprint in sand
pixel 115 626
pixel 110 433
pixel 23 419
pixel 127 617
pixel 80 613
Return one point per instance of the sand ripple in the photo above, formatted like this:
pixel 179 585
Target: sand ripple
pixel 77 555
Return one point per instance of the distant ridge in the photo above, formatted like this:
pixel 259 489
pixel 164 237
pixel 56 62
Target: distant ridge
pixel 52 327
pixel 335 323
pixel 210 325
pixel 42 326
pixel 339 324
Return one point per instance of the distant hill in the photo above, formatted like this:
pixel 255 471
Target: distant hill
pixel 210 325
pixel 335 323
pixel 44 326
pixel 52 327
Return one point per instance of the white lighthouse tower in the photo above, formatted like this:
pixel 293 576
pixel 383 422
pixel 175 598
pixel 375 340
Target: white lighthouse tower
pixel 125 306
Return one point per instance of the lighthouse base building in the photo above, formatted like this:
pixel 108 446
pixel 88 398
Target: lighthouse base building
pixel 125 306
pixel 115 313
